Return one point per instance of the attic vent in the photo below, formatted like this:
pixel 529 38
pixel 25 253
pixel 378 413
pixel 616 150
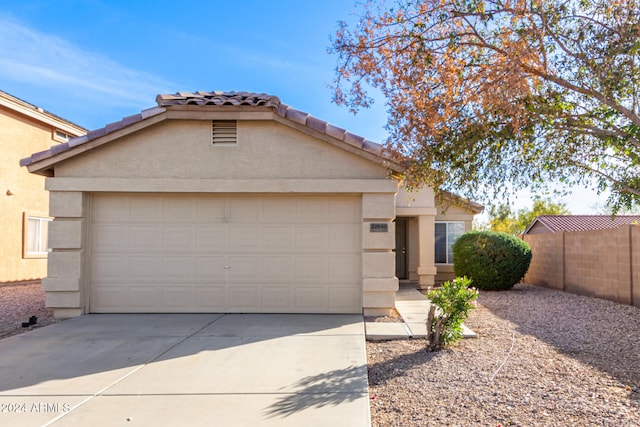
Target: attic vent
pixel 224 132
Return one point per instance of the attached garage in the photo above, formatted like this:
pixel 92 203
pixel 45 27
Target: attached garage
pixel 219 202
pixel 221 253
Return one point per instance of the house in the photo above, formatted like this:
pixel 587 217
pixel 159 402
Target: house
pixel 24 203
pixel 234 202
pixel 553 223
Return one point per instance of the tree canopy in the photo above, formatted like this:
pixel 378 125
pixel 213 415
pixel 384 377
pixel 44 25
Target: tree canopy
pixel 503 219
pixel 488 95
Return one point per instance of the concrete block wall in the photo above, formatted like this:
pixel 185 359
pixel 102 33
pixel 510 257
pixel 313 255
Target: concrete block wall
pixel 599 263
pixel 547 263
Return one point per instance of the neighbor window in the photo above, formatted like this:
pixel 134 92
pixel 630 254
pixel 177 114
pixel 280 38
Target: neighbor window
pixel 446 235
pixel 61 136
pixel 35 236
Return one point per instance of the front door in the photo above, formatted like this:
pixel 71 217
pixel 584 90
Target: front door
pixel 401 248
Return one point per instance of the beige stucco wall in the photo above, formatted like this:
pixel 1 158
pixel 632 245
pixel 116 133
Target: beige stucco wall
pixel 20 137
pixel 177 157
pixel 183 149
pixel 599 263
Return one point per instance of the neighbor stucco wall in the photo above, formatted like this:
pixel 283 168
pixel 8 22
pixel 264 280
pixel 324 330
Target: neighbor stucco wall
pixel 599 263
pixel 20 137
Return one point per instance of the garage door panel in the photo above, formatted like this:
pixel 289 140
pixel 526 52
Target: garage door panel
pixel 279 238
pixel 244 268
pixel 312 210
pixel 109 267
pixel 211 298
pixel 311 269
pixel 178 297
pixel 312 299
pixel 244 298
pixel 143 267
pixel 343 238
pixel 147 297
pixel 210 210
pixel 210 238
pixel 244 238
pixel 144 238
pixel 178 209
pixel 178 267
pixel 343 209
pixel 244 209
pixel 211 268
pixel 109 237
pixel 145 209
pixel 207 253
pixel 280 210
pixel 343 298
pixel 277 268
pixel 345 269
pixel 178 238
pixel 277 298
pixel 110 209
pixel 311 238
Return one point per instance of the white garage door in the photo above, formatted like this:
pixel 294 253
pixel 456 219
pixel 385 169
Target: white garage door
pixel 201 253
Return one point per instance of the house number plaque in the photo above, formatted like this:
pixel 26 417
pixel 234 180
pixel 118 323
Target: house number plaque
pixel 379 227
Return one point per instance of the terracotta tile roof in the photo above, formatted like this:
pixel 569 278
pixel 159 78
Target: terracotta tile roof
pixel 219 99
pixel 583 222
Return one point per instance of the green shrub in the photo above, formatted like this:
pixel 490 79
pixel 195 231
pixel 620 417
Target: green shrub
pixel 494 261
pixel 450 306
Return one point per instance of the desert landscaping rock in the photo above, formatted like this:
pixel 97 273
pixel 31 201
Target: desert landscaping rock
pixel 542 358
pixel 18 303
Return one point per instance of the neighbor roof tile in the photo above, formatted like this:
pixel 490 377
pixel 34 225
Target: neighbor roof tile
pixel 584 222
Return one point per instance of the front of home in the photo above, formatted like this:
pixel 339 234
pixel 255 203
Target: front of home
pixel 235 202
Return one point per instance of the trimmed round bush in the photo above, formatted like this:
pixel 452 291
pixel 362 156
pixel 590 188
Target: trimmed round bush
pixel 494 261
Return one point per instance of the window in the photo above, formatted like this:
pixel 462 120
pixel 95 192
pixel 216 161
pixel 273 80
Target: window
pixel 224 132
pixel 61 136
pixel 35 236
pixel 446 235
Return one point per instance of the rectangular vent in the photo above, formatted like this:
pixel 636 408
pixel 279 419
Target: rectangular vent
pixel 224 132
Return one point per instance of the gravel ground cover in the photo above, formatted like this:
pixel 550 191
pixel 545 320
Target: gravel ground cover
pixel 542 358
pixel 18 302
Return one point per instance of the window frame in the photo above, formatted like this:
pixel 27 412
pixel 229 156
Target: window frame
pixel 26 254
pixel 447 243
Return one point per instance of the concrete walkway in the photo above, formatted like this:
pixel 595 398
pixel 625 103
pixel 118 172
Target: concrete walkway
pixel 413 307
pixel 187 369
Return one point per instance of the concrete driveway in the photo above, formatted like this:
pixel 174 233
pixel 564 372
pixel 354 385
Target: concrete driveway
pixel 187 369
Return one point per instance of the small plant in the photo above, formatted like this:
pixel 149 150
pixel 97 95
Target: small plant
pixel 494 261
pixel 450 306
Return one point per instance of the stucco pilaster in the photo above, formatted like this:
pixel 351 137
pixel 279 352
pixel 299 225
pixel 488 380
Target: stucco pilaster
pixel 64 282
pixel 378 259
pixel 426 249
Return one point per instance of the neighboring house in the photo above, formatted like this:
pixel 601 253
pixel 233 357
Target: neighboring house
pixel 234 202
pixel 24 203
pixel 554 223
pixel 594 255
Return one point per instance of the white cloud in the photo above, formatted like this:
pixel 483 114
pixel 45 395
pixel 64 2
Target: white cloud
pixel 29 56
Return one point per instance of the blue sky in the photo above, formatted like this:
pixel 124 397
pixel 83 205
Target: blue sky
pixel 94 62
